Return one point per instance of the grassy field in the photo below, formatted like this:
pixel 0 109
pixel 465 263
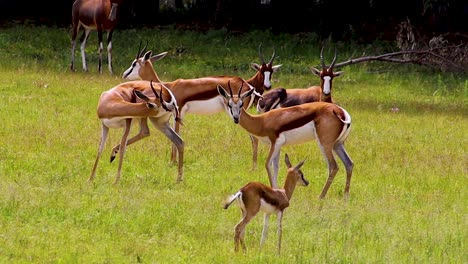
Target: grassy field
pixel 408 193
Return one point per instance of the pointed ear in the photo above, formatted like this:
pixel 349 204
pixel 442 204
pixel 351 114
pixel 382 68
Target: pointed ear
pixel 336 74
pixel 286 160
pixel 159 56
pixel 298 166
pixel 276 67
pixel 315 71
pixel 147 55
pixel 247 94
pixel 222 91
pixel 146 99
pixel 141 96
pixel 255 66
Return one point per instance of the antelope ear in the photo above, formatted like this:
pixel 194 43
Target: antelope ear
pixel 159 56
pixel 286 160
pixel 147 55
pixel 145 98
pixel 255 66
pixel 298 166
pixel 247 94
pixel 336 74
pixel 315 71
pixel 276 67
pixel 141 96
pixel 222 91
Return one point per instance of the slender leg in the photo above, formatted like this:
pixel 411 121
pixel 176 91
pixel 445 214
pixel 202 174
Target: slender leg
pixel 348 163
pixel 144 132
pixel 273 160
pixel 280 230
pixel 174 147
pixel 123 146
pixel 254 141
pixel 84 39
pixel 109 50
pixel 104 133
pixel 266 219
pixel 332 169
pixel 101 47
pixel 167 130
pixel 240 232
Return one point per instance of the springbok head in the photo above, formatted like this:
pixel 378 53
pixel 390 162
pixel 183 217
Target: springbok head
pixel 326 74
pixel 169 106
pixel 142 64
pixel 267 68
pixel 234 103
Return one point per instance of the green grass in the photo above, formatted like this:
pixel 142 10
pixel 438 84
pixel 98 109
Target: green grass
pixel 408 193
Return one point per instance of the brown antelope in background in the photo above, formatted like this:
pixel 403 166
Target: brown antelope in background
pixel 100 15
pixel 200 95
pixel 326 122
pixel 255 197
pixel 281 97
pixel 119 106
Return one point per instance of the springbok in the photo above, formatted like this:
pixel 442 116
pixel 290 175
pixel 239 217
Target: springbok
pixel 328 123
pixel 199 95
pixel 281 97
pixel 256 196
pixel 100 15
pixel 120 105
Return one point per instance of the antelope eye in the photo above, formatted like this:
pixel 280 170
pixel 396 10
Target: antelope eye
pixel 134 64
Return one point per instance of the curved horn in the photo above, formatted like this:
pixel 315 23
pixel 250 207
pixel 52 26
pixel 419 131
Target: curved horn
pixel 229 85
pixel 272 57
pixel 260 53
pixel 240 89
pixel 322 61
pixel 173 101
pixel 143 50
pixel 138 52
pixel 333 61
pixel 154 91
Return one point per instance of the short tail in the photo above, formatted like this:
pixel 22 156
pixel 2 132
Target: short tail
pixel 347 124
pixel 231 199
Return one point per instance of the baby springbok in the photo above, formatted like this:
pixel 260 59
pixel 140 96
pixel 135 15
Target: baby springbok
pixel 255 197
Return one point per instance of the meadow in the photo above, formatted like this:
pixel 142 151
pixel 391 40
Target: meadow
pixel 408 192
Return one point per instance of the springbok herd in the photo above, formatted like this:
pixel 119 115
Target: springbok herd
pixel 285 116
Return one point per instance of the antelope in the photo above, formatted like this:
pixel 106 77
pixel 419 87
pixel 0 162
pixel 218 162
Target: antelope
pixel 199 95
pixel 328 123
pixel 280 97
pixel 256 196
pixel 120 105
pixel 100 15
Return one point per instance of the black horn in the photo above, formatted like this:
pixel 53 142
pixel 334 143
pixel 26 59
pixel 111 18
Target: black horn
pixel 333 62
pixel 272 57
pixel 322 61
pixel 154 90
pixel 230 90
pixel 262 59
pixel 240 89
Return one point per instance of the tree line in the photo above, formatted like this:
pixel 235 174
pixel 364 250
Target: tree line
pixel 358 20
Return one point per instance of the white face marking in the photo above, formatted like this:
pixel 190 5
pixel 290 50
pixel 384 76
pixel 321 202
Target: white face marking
pixel 326 85
pixel 266 81
pixel 132 72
